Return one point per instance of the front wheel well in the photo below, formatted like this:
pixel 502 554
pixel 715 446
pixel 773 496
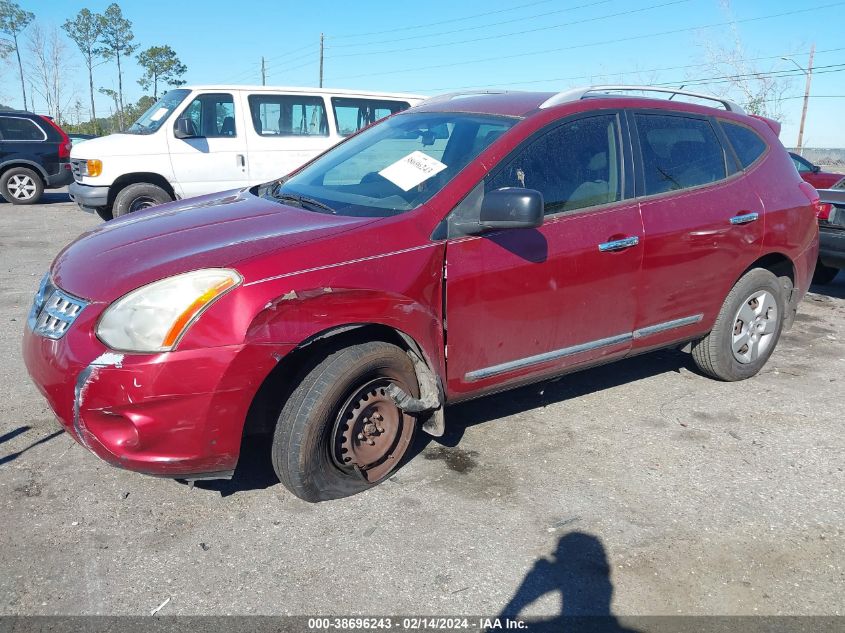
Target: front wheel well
pixel 130 179
pixel 280 382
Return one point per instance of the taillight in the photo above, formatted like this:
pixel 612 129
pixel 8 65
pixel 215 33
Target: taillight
pixel 823 210
pixel 65 143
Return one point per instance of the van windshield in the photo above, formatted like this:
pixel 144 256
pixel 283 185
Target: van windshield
pixel 158 113
pixel 392 167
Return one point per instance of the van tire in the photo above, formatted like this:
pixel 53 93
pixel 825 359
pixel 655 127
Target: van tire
pixel 716 354
pixel 20 185
pixel 336 399
pixel 138 196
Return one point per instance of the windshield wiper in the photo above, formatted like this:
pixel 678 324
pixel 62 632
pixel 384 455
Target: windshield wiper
pixel 302 201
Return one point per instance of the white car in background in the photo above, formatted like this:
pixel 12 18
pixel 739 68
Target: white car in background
pixel 203 139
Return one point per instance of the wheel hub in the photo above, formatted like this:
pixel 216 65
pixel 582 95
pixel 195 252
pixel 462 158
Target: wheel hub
pixel 21 187
pixel 754 326
pixel 371 432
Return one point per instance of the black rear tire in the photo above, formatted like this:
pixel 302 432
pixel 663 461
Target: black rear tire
pixel 20 185
pixel 138 196
pixel 824 274
pixel 308 451
pixel 716 354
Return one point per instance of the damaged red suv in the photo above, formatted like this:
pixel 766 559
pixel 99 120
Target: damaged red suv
pixel 474 243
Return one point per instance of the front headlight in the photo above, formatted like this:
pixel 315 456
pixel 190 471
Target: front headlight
pixel 154 317
pixel 92 167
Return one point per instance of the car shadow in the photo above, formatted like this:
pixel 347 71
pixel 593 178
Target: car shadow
pixel 255 470
pixel 579 572
pixel 835 289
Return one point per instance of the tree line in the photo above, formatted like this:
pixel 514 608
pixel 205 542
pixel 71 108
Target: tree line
pixel 100 38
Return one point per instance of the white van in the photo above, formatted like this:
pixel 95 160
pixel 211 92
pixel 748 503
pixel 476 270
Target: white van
pixel 202 139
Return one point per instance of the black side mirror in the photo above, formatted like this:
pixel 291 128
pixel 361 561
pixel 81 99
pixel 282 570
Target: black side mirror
pixel 184 128
pixel 511 208
pixel 816 169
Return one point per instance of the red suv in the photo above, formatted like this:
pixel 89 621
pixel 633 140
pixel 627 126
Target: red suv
pixel 814 174
pixel 471 244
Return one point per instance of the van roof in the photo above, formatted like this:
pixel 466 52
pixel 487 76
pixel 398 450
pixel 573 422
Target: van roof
pixel 305 89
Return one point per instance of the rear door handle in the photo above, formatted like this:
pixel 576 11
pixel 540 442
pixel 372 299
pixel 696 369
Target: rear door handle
pixel 618 245
pixel 744 218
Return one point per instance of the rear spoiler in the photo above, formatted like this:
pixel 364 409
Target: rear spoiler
pixel 775 125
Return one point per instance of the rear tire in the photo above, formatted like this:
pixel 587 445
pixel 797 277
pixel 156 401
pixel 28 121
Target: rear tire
pixel 339 433
pixel 824 274
pixel 746 331
pixel 20 185
pixel 137 197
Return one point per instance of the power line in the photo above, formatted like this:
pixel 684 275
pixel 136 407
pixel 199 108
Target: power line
pixel 611 73
pixel 499 58
pixel 450 21
pixel 480 26
pixel 525 32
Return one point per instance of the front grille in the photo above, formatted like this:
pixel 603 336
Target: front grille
pixel 53 310
pixel 77 166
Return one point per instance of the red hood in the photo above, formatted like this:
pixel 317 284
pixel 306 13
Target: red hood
pixel 217 230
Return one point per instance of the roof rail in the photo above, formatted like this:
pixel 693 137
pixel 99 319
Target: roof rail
pixel 576 94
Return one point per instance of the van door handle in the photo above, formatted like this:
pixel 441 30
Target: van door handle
pixel 240 160
pixel 744 218
pixel 618 245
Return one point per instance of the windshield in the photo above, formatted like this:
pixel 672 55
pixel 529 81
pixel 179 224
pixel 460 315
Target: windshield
pixel 393 167
pixel 155 117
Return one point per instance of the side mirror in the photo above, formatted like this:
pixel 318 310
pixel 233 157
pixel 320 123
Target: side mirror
pixel 511 208
pixel 184 128
pixel 816 169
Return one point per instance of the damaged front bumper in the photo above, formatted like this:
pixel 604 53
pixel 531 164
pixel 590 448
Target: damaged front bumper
pixel 175 414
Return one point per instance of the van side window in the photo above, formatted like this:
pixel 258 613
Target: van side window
pixel 212 115
pixel 574 166
pixel 353 114
pixel 288 115
pixel 678 152
pixel 746 142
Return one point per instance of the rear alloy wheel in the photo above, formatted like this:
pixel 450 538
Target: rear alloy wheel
pixel 746 331
pixel 824 274
pixel 137 197
pixel 20 185
pixel 340 433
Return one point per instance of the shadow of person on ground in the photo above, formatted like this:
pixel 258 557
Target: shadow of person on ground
pixel 5 459
pixel 579 572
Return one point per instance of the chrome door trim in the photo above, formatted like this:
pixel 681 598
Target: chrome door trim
pixel 667 325
pixel 745 218
pixel 520 363
pixel 512 365
pixel 618 245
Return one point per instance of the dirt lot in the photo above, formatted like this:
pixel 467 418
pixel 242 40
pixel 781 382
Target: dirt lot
pixel 640 488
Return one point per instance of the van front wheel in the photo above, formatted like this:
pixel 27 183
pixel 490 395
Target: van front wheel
pixel 138 196
pixel 340 432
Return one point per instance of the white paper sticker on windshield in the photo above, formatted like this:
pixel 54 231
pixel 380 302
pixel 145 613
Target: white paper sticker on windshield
pixel 406 173
pixel 158 114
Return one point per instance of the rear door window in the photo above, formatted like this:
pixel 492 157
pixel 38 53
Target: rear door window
pixel 353 114
pixel 574 166
pixel 746 142
pixel 678 152
pixel 212 115
pixel 20 129
pixel 288 115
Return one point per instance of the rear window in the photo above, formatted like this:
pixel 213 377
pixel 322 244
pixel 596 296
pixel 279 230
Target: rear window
pixel 353 114
pixel 678 152
pixel 288 115
pixel 745 141
pixel 19 129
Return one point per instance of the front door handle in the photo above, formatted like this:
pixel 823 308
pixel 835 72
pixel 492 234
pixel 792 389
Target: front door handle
pixel 618 245
pixel 745 218
pixel 240 160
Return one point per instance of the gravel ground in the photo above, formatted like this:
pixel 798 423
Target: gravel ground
pixel 636 488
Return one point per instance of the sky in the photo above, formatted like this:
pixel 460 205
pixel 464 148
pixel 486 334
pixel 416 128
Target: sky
pixel 441 46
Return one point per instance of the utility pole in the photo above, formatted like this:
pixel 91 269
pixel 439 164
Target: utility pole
pixel 809 74
pixel 321 60
pixel 263 73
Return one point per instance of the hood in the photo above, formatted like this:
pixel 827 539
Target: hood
pixel 119 145
pixel 214 231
